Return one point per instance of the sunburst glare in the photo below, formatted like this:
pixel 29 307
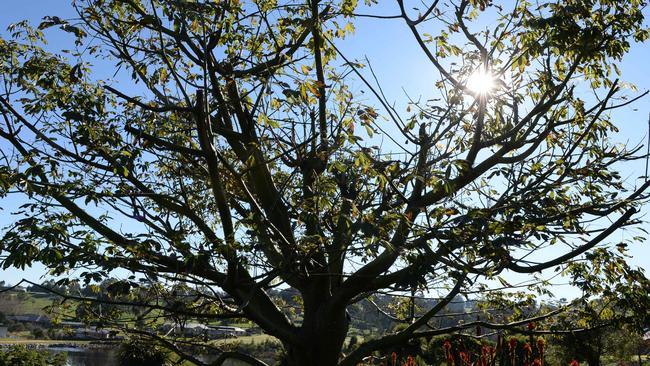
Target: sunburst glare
pixel 481 82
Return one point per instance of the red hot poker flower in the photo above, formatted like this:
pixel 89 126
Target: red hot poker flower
pixel 447 345
pixel 540 345
pixel 512 344
pixel 464 358
pixel 527 348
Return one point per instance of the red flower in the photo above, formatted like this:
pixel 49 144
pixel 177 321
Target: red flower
pixel 574 363
pixel 465 358
pixel 512 344
pixel 537 362
pixel 527 348
pixel 447 345
pixel 532 326
pixel 540 345
pixel 393 357
pixel 410 361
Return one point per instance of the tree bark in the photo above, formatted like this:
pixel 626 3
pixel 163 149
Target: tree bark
pixel 322 335
pixel 593 359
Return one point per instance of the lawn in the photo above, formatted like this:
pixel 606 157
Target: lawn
pixel 253 339
pixel 24 303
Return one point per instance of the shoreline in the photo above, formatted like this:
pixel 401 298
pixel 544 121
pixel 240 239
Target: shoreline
pixel 57 343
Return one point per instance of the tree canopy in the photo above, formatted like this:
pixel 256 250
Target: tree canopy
pixel 236 155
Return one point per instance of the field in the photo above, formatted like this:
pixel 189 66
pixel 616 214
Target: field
pixel 254 339
pixel 24 303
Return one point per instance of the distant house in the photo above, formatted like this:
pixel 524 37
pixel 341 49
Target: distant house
pixel 227 331
pixel 91 333
pixel 70 324
pixel 29 318
pixel 202 330
pixel 187 330
pixel 195 329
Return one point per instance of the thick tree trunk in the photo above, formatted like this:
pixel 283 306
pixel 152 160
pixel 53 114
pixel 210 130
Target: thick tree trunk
pixel 322 333
pixel 593 359
pixel 321 348
pixel 316 354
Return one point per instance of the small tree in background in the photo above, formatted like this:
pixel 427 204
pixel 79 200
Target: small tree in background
pixel 138 352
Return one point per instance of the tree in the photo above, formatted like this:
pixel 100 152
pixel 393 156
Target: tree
pixel 138 353
pixel 607 335
pixel 235 156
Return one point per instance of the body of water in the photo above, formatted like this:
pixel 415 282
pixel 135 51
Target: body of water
pixel 87 356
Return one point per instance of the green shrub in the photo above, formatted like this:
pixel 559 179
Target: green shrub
pixel 21 356
pixel 140 352
pixel 39 333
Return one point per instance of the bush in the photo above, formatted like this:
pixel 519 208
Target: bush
pixel 141 352
pixel 39 333
pixel 21 356
pixel 458 343
pixel 16 327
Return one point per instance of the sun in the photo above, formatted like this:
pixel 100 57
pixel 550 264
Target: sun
pixel 481 82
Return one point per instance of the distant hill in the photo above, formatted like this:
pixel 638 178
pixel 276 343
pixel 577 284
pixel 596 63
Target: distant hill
pixel 21 302
pixel 375 315
pixel 366 316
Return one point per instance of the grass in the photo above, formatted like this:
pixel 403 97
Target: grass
pixel 254 339
pixel 23 303
pixel 35 305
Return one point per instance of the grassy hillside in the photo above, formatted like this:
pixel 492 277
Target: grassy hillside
pixel 19 303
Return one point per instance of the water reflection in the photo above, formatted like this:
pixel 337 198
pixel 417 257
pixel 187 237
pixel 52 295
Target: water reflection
pixel 87 356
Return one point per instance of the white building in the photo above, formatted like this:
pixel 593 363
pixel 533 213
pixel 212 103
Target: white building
pixel 227 331
pixel 91 333
pixel 202 330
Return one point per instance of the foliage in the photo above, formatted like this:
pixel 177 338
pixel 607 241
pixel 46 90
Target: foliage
pixel 21 356
pixel 235 156
pixel 39 333
pixel 138 352
pixel 600 337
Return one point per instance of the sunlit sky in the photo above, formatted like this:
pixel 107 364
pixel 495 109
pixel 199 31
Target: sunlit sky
pixel 402 68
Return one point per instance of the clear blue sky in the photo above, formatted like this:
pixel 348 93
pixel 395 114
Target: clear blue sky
pixel 399 64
